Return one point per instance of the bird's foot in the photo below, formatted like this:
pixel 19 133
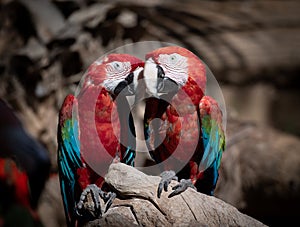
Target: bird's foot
pixel 181 187
pixel 166 178
pixel 89 205
pixel 108 198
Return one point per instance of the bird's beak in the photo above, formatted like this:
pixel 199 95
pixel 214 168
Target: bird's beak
pixel 156 81
pixel 136 74
pixel 128 86
pixel 150 77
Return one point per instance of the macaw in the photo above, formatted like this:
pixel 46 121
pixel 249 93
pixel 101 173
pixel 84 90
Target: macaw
pixel 182 126
pixel 24 165
pixel 95 129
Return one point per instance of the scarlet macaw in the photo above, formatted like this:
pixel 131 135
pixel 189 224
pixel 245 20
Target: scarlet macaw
pixel 95 128
pixel 189 135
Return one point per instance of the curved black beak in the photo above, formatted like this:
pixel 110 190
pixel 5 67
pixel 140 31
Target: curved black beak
pixel 166 85
pixel 129 84
pixel 124 86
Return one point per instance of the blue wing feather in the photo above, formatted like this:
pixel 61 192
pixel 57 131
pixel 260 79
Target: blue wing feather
pixel 68 158
pixel 213 138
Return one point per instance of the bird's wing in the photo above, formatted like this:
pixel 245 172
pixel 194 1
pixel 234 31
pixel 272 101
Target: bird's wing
pixel 213 135
pixel 69 160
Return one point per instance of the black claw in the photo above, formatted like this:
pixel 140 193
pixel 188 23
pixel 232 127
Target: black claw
pixel 159 190
pixel 166 184
pixel 173 194
pixel 111 197
pixel 181 187
pixel 166 178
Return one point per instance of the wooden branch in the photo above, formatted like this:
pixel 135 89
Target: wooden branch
pixel 138 205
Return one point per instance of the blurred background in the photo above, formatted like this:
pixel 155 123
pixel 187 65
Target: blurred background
pixel 251 46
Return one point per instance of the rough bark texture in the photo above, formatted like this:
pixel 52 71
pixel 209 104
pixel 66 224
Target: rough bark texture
pixel 138 205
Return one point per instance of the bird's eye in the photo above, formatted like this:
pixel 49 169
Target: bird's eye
pixel 117 65
pixel 173 58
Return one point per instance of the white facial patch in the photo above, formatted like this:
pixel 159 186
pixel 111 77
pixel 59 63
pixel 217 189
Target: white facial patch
pixel 175 67
pixel 116 72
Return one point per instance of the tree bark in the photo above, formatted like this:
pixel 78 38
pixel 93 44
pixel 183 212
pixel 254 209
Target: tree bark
pixel 138 205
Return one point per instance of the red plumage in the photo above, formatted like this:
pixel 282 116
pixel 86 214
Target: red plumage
pixel 188 139
pixel 17 180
